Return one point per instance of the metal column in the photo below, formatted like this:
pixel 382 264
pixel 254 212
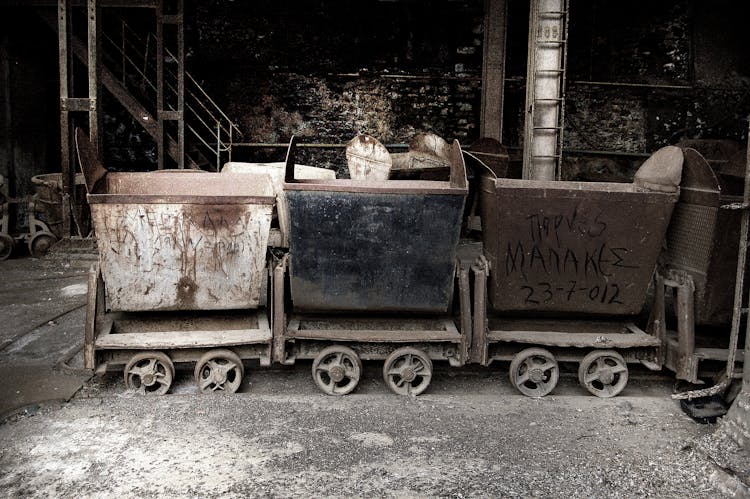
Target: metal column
pixel 63 24
pixel 170 110
pixel 493 68
pixel 738 418
pixel 545 89
pixel 94 75
pixel 70 104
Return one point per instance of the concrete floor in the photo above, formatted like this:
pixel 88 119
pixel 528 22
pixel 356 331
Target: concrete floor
pixel 470 435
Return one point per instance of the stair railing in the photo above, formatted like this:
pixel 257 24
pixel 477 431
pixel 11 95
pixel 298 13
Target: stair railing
pixel 204 119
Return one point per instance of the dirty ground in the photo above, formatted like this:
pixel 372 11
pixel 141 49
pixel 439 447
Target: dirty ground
pixel 470 435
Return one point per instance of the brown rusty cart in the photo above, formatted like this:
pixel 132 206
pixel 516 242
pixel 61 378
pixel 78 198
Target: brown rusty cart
pixel 383 248
pixel 181 274
pixel 568 265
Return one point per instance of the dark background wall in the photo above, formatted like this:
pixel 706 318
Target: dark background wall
pixel 641 75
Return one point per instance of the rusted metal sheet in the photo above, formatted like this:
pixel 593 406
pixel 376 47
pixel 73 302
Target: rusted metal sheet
pixel 179 240
pixel 276 171
pixel 702 240
pixel 428 158
pixel 375 245
pixel 571 246
pixel 169 256
pixel 368 159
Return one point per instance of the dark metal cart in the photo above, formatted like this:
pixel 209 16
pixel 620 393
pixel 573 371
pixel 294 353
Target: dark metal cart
pixel 387 248
pixel 578 258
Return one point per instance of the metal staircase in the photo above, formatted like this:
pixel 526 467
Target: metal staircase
pixel 129 72
pixel 545 89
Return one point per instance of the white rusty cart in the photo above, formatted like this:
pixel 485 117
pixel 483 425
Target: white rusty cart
pixel 181 274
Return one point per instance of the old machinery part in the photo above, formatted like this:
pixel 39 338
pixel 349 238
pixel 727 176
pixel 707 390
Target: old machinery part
pixel 6 246
pixel 40 243
pixel 337 370
pixel 534 372
pixel 149 373
pixel 407 371
pixel 603 372
pixel 219 370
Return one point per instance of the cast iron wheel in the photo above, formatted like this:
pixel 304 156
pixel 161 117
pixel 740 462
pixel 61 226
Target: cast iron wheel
pixel 603 373
pixel 40 243
pixel 219 370
pixel 6 246
pixel 534 372
pixel 336 370
pixel 149 373
pixel 407 371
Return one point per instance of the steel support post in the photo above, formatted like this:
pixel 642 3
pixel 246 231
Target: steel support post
pixel 63 25
pixel 493 68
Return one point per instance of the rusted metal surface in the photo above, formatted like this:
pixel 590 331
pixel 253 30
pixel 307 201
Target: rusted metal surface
pixel 368 159
pixel 300 336
pixel 276 171
pixel 492 154
pixel 493 68
pixel 571 246
pixel 48 204
pixel 702 240
pixel 180 241
pixel 375 245
pixel 428 158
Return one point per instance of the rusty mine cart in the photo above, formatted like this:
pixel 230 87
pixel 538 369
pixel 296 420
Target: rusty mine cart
pixel 371 272
pixel 182 274
pixel 568 265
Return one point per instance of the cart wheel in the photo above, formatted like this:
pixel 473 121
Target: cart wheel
pixel 336 370
pixel 603 372
pixel 219 370
pixel 40 243
pixel 534 372
pixel 6 246
pixel 149 373
pixel 407 371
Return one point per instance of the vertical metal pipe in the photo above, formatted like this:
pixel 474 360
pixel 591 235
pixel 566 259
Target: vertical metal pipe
pixel 479 345
pixel 464 296
pixel 685 328
pixel 278 321
pixel 493 68
pixel 737 420
pixel 180 84
pixel 231 140
pixel 218 145
pixel 746 222
pixel 8 169
pixel 160 84
pixel 90 328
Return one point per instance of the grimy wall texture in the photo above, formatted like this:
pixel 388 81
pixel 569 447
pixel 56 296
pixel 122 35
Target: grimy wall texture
pixel 326 70
pixel 641 75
